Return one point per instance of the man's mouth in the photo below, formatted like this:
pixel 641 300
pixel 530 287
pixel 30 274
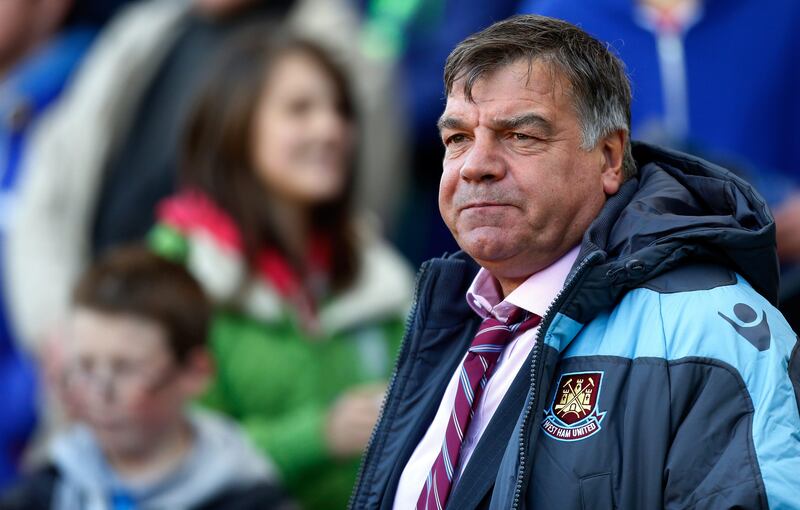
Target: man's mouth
pixel 484 205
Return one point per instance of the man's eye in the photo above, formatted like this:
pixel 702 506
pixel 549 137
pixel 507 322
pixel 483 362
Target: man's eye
pixel 455 139
pixel 521 137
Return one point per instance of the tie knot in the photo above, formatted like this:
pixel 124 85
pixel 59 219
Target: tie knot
pixel 493 335
pixel 517 315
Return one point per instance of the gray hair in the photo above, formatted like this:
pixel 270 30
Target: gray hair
pixel 600 88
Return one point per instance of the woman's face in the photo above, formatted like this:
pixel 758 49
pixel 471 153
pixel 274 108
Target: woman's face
pixel 303 142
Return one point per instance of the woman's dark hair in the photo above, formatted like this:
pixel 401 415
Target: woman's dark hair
pixel 218 148
pixel 132 280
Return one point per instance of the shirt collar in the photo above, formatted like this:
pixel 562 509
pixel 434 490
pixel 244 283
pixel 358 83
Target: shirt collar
pixel 534 295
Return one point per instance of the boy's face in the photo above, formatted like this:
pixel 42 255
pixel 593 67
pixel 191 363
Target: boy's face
pixel 129 389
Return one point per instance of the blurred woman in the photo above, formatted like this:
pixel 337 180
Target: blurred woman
pixel 310 302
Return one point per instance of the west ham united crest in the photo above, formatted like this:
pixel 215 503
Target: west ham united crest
pixel 573 414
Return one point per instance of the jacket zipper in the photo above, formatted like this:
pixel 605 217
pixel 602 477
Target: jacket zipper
pixel 401 354
pixel 538 348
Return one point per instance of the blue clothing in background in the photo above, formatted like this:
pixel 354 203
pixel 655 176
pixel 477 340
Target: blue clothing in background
pixel 122 501
pixel 25 94
pixel 431 37
pixel 742 79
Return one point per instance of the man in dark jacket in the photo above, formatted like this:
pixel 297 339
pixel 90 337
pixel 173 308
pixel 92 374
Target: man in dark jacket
pixel 619 346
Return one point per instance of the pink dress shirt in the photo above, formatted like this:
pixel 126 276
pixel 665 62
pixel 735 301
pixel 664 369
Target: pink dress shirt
pixel 484 297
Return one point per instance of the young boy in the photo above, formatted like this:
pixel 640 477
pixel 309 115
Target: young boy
pixel 138 355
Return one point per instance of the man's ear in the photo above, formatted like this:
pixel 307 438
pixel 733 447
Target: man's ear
pixel 612 150
pixel 196 372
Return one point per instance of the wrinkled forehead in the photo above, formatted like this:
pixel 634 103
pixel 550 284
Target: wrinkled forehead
pixel 535 85
pixel 541 74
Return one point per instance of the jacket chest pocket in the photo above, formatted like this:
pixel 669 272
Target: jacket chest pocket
pixel 596 492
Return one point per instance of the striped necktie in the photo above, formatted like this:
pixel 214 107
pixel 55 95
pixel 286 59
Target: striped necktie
pixel 490 340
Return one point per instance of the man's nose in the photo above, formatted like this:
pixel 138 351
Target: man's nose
pixel 483 161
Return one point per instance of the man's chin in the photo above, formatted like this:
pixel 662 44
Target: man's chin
pixel 485 245
pixel 489 258
pixel 507 261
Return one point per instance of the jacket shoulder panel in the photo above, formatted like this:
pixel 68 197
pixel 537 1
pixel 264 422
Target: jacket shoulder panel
pixel 691 278
pixel 731 323
pixel 633 329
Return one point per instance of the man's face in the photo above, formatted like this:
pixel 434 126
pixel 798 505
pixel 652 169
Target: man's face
pixel 517 190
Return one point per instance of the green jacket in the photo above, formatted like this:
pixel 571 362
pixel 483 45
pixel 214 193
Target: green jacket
pixel 279 381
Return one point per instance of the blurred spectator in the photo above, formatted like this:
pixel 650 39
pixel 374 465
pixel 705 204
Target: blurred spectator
pixel 115 129
pixel 383 159
pixel 110 153
pixel 41 43
pixel 138 355
pixel 717 75
pixel 717 78
pixel 310 302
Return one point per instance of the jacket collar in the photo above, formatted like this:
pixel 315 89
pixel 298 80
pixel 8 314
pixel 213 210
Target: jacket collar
pixel 678 210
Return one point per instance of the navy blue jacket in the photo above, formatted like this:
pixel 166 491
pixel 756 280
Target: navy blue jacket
pixel 662 377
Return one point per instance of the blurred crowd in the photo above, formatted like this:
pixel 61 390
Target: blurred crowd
pixel 210 213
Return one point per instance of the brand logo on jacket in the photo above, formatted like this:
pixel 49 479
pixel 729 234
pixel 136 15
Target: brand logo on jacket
pixel 573 414
pixel 756 333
